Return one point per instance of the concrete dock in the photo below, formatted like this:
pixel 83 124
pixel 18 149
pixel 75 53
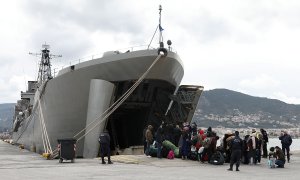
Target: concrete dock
pixel 16 163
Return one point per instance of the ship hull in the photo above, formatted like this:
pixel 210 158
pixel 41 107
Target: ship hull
pixel 64 100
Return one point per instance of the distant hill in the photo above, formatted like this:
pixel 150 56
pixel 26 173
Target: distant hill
pixel 223 107
pixel 6 116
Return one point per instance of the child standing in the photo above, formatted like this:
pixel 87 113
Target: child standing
pixel 272 158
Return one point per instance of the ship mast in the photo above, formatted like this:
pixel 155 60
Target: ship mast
pixel 45 73
pixel 160 41
pixel 160 28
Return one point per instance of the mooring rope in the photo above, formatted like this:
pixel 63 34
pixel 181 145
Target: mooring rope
pixel 113 107
pixel 121 99
pixel 44 131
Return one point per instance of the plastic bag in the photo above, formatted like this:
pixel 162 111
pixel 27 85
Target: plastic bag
pixel 200 150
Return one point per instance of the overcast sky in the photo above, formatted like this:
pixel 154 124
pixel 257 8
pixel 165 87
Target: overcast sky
pixel 250 46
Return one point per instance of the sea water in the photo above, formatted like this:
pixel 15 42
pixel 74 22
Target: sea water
pixel 276 142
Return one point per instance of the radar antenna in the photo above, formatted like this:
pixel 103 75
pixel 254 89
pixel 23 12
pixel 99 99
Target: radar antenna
pixel 44 73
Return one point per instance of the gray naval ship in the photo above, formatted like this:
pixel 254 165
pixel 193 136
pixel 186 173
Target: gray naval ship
pixel 120 92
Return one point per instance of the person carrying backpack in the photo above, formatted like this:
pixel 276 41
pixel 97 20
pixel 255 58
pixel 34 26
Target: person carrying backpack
pixel 236 149
pixel 286 141
pixel 264 142
pixel 159 138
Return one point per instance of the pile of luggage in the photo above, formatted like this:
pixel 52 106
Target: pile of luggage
pixel 170 151
pixel 168 148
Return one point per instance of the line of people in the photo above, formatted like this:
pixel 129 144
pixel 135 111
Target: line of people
pixel 193 143
pixel 254 145
pixel 276 155
pixel 197 144
pixel 201 145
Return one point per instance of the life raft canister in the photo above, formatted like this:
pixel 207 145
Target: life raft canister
pixel 162 49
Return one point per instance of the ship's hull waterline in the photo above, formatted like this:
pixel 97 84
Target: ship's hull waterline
pixel 65 99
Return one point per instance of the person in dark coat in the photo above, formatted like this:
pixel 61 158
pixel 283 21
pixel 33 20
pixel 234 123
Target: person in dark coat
pixel 194 129
pixel 104 141
pixel 245 151
pixel 236 146
pixel 265 141
pixel 286 141
pixel 258 148
pixel 177 134
pixel 209 132
pixel 159 137
pixel 185 145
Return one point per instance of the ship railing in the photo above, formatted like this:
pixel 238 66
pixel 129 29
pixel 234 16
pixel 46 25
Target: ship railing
pixel 99 55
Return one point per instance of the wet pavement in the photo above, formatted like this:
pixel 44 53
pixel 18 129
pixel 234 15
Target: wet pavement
pixel 16 163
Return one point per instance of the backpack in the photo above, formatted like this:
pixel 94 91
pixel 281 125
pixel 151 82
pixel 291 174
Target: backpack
pixel 171 155
pixel 193 156
pixel 200 150
pixel 217 158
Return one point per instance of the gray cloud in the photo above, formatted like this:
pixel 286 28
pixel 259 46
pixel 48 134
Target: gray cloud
pixel 93 15
pixel 69 44
pixel 211 37
pixel 67 27
pixel 203 26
